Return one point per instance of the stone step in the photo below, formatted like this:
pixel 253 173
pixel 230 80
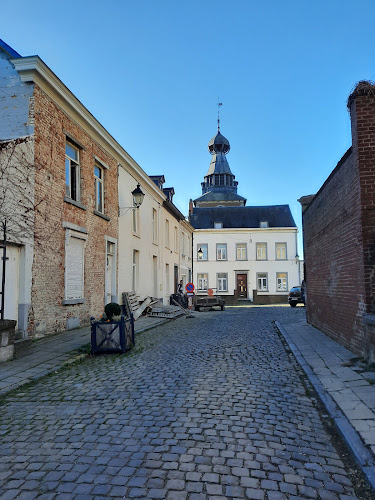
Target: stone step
pixel 21 346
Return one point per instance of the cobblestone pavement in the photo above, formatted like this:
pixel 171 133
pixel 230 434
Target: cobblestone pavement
pixel 206 408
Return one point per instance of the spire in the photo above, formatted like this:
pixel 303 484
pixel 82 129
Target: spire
pixel 218 113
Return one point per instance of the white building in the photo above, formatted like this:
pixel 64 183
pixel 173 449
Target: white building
pixel 155 240
pixel 242 253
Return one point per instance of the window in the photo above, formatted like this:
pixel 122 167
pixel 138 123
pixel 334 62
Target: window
pixel 154 225
pixel 135 270
pixel 281 282
pixel 202 281
pixel 99 191
pixel 167 233
pixel 280 251
pixel 74 267
pixel 218 225
pixel 262 282
pixel 175 239
pixel 183 244
pixel 204 248
pixel 263 223
pixel 241 251
pixel 72 172
pixel 261 251
pixel 221 251
pixel 222 282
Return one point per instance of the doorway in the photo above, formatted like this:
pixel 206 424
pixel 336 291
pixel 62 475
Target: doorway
pixel 242 285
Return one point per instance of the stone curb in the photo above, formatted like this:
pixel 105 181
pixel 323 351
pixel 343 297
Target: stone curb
pixel 361 454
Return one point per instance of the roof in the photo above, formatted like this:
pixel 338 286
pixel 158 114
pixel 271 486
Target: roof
pixel 219 165
pixel 220 194
pixel 8 49
pixel 242 217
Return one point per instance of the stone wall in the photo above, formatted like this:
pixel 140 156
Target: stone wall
pixel 7 334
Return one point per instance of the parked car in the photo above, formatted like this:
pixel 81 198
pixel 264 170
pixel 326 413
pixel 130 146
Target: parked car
pixel 296 295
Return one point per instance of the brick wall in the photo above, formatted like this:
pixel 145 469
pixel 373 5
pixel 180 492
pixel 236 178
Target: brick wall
pixel 339 237
pixel 48 314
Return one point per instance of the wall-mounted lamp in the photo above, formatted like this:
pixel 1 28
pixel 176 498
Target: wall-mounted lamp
pixel 138 196
pixel 200 253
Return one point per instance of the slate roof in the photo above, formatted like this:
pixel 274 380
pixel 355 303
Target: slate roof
pixel 242 217
pixel 219 165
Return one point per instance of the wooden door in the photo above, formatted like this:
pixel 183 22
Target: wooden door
pixel 242 285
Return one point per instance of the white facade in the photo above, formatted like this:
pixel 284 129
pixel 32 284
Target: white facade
pixel 155 246
pixel 264 259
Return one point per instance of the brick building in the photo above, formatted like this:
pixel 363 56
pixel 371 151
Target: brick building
pixel 63 177
pixel 339 237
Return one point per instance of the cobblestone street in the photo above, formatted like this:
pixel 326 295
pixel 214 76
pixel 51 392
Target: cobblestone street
pixel 212 407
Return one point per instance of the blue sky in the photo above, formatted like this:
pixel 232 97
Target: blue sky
pixel 151 72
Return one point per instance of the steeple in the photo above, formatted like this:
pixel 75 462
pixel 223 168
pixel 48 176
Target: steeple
pixel 219 186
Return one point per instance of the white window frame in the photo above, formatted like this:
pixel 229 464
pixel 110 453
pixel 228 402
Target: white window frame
pixel 280 287
pixel 220 247
pixel 167 233
pixel 135 218
pixel 69 234
pixel 99 186
pixel 259 247
pixel 204 248
pixel 72 169
pixel 243 251
pixel 175 239
pixel 202 279
pixel 260 285
pixel 222 282
pixel 280 246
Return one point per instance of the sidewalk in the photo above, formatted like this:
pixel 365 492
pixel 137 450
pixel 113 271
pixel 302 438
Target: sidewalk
pixel 347 391
pixel 52 353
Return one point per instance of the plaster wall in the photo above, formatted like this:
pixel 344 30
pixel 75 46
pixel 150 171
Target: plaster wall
pixel 150 269
pixel 251 266
pixel 16 102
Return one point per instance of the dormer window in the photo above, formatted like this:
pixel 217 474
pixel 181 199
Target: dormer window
pixel 218 225
pixel 264 223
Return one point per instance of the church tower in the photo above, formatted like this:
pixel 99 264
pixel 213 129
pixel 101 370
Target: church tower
pixel 219 187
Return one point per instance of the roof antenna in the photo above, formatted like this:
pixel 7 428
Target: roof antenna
pixel 218 113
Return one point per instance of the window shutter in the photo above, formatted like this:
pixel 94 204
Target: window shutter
pixel 74 284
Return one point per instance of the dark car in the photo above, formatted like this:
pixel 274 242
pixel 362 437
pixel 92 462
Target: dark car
pixel 296 295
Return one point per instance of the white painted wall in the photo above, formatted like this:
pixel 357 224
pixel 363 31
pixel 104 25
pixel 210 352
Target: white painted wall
pixel 251 266
pixel 153 255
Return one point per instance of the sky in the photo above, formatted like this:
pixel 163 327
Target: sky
pixel 152 71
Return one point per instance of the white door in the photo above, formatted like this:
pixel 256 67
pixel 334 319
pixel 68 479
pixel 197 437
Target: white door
pixel 12 276
pixel 108 273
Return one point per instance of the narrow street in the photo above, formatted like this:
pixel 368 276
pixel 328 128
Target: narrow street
pixel 212 407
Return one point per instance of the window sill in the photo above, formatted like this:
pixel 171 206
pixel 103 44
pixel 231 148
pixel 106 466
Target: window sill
pixel 74 202
pixel 69 302
pixel 137 235
pixel 103 216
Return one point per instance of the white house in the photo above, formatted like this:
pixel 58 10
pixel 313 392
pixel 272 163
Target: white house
pixel 242 253
pixel 155 239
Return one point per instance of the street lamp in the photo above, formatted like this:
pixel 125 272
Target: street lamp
pixel 200 254
pixel 138 196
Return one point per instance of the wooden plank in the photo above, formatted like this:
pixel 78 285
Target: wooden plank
pixel 141 308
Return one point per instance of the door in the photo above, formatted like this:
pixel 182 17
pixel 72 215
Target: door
pixel 12 273
pixel 242 285
pixel 175 278
pixel 109 273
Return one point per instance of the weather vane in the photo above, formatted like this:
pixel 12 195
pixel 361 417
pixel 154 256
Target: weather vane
pixel 218 113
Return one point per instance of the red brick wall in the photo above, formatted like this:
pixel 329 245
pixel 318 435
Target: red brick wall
pixel 339 238
pixel 48 314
